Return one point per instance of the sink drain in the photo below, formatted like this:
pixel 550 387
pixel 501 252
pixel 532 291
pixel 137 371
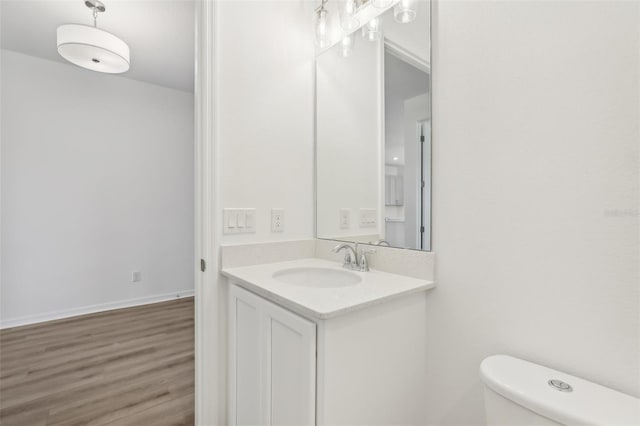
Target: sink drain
pixel 560 385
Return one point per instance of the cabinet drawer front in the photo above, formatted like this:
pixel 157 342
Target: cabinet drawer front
pixel 272 363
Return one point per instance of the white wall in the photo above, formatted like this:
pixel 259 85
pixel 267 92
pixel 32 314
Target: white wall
pixel 264 129
pixel 393 131
pixel 97 181
pixel 535 177
pixel 536 172
pixel 264 81
pixel 348 138
pixel 413 39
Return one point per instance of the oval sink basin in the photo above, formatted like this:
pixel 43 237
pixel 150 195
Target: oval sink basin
pixel 317 277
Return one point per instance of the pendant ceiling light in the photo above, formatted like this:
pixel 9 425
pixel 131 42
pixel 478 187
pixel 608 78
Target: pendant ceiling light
pixel 93 48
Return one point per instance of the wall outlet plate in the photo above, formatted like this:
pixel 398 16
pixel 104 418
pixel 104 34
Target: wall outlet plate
pixel 136 276
pixel 345 218
pixel 277 220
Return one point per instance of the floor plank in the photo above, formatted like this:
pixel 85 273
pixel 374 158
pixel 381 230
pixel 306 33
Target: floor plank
pixel 132 366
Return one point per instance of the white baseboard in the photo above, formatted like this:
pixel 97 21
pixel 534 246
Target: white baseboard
pixel 91 309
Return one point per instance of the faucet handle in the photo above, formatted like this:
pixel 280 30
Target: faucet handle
pixel 364 263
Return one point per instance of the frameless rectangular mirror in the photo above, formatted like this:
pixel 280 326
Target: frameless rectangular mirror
pixel 373 131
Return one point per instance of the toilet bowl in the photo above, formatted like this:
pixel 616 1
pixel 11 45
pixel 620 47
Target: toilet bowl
pixel 521 393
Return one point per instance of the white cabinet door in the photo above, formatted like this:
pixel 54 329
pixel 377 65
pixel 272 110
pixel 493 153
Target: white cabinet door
pixel 245 361
pixel 272 363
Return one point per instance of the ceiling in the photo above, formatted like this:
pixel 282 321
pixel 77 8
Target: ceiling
pixel 403 80
pixel 160 33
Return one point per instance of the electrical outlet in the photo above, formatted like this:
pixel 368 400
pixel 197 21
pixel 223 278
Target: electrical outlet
pixel 345 218
pixel 136 276
pixel 277 220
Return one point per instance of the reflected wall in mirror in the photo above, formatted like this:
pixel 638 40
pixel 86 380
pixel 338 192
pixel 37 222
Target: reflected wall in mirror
pixel 373 133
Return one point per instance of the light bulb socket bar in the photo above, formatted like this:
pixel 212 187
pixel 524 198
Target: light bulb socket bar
pixel 361 5
pixel 321 8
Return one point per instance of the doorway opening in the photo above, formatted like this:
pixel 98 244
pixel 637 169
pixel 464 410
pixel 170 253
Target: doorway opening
pixel 98 219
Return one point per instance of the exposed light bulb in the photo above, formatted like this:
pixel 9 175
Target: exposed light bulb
pixel 322 36
pixel 372 31
pixel 348 17
pixel 405 11
pixel 396 158
pixel 348 44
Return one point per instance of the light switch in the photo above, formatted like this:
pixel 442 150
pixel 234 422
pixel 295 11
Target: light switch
pixel 241 218
pixel 231 218
pixel 250 219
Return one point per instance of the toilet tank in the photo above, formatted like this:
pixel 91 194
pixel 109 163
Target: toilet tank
pixel 522 393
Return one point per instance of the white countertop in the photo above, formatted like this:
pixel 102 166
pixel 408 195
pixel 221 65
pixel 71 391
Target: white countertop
pixel 323 303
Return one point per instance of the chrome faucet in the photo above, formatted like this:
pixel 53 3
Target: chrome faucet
pixel 351 260
pixel 350 255
pixel 380 243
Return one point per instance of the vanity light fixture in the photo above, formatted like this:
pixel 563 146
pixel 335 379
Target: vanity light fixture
pixel 405 11
pixel 322 33
pixel 349 15
pixel 381 3
pixel 91 47
pixel 372 31
pixel 396 158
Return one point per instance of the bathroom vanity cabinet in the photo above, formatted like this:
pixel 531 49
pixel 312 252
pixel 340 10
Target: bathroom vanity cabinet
pixel 272 363
pixel 362 367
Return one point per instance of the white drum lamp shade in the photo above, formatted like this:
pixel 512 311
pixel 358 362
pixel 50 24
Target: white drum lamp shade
pixel 93 48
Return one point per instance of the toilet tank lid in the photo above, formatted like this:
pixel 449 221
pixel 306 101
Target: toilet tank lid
pixel 526 384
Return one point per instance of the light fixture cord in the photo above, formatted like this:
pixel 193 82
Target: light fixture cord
pixel 321 7
pixel 95 17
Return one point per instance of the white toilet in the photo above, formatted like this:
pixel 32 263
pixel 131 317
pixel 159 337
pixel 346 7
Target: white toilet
pixel 520 393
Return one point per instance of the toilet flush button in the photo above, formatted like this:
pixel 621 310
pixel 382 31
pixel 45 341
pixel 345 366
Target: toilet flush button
pixel 560 385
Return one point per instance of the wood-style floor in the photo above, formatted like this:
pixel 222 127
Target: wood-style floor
pixel 131 366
